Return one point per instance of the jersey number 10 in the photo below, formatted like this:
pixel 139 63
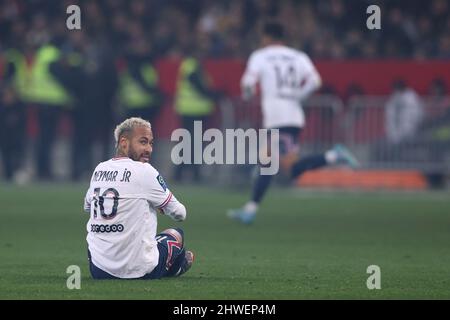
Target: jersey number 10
pixel 100 199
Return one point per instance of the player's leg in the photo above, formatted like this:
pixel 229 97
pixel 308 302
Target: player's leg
pixel 288 143
pixel 96 272
pixel 183 260
pixel 174 260
pixel 48 117
pixel 247 213
pixel 308 163
pixel 180 169
pixel 338 154
pixel 181 265
pixel 196 169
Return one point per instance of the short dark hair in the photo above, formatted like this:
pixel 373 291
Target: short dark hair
pixel 399 84
pixel 274 30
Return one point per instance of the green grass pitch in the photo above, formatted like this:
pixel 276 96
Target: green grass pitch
pixel 303 245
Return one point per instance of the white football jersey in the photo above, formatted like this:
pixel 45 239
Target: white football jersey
pixel 123 199
pixel 286 77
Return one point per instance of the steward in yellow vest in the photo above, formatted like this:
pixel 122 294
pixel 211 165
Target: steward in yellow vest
pixel 33 80
pixel 139 94
pixel 193 96
pixel 88 73
pixel 194 101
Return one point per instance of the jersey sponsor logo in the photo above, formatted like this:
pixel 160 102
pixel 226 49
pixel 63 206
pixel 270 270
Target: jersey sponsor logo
pixel 102 228
pixel 161 182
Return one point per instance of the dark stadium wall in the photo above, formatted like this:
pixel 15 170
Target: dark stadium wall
pixel 375 78
pixel 372 77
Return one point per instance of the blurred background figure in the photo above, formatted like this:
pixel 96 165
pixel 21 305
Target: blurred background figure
pixel 12 132
pixel 37 86
pixel 70 71
pixel 129 59
pixel 437 94
pixel 436 131
pixel 404 113
pixel 87 71
pixel 286 78
pixel 139 93
pixel 195 101
pixel 403 116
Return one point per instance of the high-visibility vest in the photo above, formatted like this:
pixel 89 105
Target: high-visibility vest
pixel 131 93
pixel 34 83
pixel 189 101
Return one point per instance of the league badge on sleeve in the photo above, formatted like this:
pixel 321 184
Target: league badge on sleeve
pixel 161 182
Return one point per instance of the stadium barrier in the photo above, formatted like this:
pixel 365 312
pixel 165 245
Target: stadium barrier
pixel 360 123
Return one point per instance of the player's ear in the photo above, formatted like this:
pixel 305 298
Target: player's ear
pixel 123 143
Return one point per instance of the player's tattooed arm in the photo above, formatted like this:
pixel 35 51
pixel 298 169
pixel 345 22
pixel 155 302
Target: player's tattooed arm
pixel 174 209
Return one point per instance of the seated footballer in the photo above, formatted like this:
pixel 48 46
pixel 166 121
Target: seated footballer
pixel 123 200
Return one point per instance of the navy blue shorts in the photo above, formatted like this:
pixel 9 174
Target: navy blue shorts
pixel 289 140
pixel 171 257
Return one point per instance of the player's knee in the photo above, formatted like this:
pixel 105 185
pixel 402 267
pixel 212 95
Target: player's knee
pixel 177 233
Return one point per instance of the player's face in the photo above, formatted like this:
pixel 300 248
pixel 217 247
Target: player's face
pixel 141 144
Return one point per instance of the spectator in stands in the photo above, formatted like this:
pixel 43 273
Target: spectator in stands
pixel 194 102
pixel 12 131
pixel 403 113
pixel 139 93
pixel 403 117
pixel 72 72
pixel 436 128
pixel 415 30
pixel 86 64
pixel 438 99
pixel 353 104
pixel 37 86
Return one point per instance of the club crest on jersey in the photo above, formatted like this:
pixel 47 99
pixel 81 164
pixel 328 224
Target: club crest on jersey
pixel 162 182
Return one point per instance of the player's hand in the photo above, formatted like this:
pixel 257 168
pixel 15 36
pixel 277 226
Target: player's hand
pixel 247 93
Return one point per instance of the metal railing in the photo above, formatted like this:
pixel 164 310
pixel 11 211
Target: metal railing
pixel 360 123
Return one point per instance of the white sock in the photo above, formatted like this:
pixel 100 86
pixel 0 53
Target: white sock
pixel 251 207
pixel 331 156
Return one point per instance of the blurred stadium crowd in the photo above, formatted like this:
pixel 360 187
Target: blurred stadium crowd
pixel 118 35
pixel 324 29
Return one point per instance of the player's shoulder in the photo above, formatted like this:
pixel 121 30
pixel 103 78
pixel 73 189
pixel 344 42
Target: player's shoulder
pixel 278 50
pixel 142 168
pixel 101 165
pixel 149 169
pixel 257 54
pixel 264 51
pixel 294 51
pixel 260 56
pixel 113 162
pixel 150 176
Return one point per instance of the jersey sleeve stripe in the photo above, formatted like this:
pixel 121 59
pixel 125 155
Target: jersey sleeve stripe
pixel 166 201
